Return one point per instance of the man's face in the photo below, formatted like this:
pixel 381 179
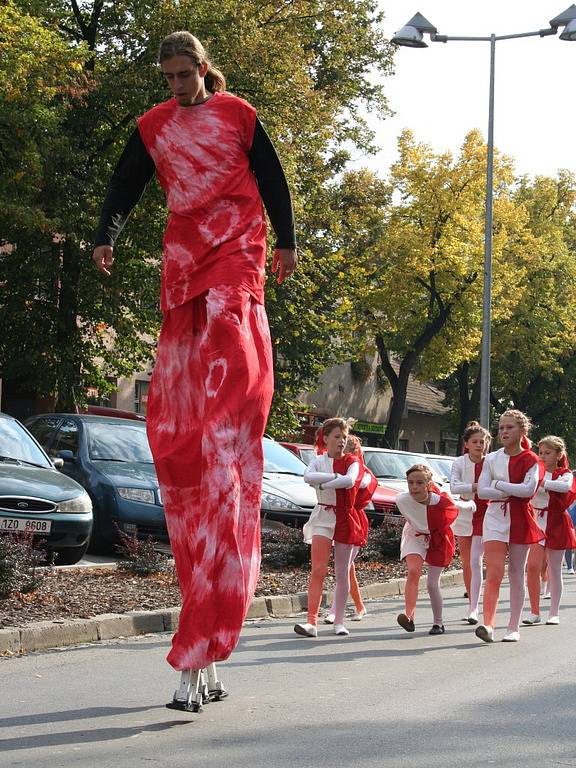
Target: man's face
pixel 185 79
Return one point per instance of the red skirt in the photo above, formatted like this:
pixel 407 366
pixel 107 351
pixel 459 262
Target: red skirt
pixel 560 532
pixel 207 409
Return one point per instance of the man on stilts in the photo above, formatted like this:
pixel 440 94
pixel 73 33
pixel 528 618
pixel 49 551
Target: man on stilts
pixel 213 381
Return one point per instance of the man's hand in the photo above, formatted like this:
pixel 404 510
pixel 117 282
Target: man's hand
pixel 103 257
pixel 284 261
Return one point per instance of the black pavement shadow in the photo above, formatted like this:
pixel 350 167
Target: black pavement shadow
pixel 73 714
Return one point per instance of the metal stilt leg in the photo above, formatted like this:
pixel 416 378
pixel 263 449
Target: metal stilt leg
pixel 192 693
pixel 216 690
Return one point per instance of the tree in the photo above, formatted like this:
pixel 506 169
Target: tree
pixel 305 64
pixel 422 298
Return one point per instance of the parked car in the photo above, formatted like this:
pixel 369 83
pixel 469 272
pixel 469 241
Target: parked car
pixel 441 464
pixel 383 500
pixel 35 497
pixel 111 458
pixel 390 466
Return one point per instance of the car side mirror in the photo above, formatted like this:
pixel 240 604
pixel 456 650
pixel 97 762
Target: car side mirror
pixel 66 456
pixel 58 463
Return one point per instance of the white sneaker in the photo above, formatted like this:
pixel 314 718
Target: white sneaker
pixel 511 637
pixel 472 618
pixel 532 619
pixel 340 629
pixel 307 630
pixel 485 633
pixel 546 595
pixel 329 619
pixel 571 570
pixel 553 620
pixel 359 615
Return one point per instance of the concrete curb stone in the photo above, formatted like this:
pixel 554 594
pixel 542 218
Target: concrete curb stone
pixel 43 635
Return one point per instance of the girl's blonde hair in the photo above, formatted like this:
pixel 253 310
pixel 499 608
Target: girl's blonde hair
pixel 184 43
pixel 523 422
pixel 426 471
pixel 554 442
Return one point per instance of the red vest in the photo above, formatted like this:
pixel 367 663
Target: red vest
pixel 560 532
pixel 216 230
pixel 481 504
pixel 351 522
pixel 523 526
pixel 440 517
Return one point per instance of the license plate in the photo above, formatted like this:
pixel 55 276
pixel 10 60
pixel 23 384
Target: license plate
pixel 26 525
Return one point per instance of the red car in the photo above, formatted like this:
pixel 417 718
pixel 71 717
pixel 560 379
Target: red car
pixel 384 499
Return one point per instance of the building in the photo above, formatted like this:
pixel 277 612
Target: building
pixel 356 391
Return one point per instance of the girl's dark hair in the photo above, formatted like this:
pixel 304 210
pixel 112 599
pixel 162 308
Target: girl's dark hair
pixel 473 428
pixel 185 44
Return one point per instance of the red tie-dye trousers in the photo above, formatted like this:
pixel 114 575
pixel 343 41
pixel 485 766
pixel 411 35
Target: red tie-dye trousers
pixel 208 403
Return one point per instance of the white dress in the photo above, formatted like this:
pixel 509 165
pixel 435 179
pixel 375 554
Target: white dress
pixel 540 502
pixel 322 520
pixel 415 534
pixel 461 480
pixel 495 473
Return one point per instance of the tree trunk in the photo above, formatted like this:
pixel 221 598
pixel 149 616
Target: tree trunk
pixel 399 384
pixel 469 399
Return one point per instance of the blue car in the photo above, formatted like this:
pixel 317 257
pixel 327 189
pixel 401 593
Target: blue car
pixel 111 459
pixel 35 498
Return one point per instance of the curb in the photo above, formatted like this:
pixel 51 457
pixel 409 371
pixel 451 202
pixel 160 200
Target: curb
pixel 43 635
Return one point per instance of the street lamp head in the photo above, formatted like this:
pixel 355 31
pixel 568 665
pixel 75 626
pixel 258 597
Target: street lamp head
pixel 411 35
pixel 569 31
pixel 566 19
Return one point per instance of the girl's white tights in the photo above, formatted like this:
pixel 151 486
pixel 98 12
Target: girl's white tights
pixel 343 556
pixel 433 586
pixel 517 556
pixel 476 572
pixel 555 579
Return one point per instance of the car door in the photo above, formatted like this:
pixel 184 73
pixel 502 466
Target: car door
pixel 66 445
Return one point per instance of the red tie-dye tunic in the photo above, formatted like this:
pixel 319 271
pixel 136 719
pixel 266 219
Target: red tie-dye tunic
pixel 216 228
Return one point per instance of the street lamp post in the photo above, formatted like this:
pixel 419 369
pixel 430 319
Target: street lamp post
pixel 412 36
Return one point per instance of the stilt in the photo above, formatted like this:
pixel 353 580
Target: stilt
pixel 216 690
pixel 192 693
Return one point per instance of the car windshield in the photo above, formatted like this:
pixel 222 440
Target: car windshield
pixel 280 460
pixel 442 467
pixel 16 444
pixel 118 442
pixel 391 465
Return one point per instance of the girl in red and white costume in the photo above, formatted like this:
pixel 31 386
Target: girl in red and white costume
pixel 468 526
pixel 554 496
pixel 509 479
pixel 367 486
pixel 427 536
pixel 213 381
pixel 335 475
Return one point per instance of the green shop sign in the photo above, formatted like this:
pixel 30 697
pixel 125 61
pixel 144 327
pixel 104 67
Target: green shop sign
pixel 366 426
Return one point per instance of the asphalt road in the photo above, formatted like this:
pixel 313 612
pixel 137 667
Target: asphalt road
pixel 380 698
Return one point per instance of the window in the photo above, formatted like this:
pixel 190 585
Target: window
pixel 429 446
pixel 66 439
pixel 404 444
pixel 43 429
pixel 141 396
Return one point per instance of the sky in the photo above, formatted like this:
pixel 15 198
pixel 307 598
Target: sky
pixel 441 92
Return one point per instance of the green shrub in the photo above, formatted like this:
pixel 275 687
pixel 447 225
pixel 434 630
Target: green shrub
pixel 20 558
pixel 284 546
pixel 383 544
pixel 142 558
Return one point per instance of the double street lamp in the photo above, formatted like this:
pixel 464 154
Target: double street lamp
pixel 412 36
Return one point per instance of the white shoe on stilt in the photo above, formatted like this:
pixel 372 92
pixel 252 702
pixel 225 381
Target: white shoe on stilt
pixel 553 620
pixel 329 618
pixel 532 619
pixel 511 637
pixel 306 630
pixel 340 629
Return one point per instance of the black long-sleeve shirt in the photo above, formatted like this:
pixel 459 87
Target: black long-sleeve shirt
pixel 135 168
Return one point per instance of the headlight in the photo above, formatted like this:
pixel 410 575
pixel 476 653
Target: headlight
pixel 137 494
pixel 270 501
pixel 78 506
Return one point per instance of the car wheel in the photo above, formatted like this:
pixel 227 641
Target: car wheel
pixel 70 555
